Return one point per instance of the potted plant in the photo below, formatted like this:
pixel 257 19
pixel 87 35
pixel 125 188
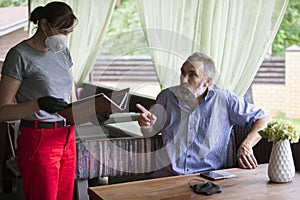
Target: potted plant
pixel 281 164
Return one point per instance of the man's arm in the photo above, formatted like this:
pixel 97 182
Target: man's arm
pixel 245 155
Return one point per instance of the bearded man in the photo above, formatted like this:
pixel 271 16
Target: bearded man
pixel 195 120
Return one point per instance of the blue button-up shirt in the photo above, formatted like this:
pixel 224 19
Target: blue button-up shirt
pixel 196 139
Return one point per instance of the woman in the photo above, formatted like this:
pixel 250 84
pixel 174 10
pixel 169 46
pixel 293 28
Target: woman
pixel 37 72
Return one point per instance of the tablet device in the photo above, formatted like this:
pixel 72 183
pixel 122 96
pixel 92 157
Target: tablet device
pixel 87 109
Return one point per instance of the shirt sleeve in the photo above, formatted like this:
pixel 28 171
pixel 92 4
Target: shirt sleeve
pixel 13 65
pixel 69 58
pixel 243 113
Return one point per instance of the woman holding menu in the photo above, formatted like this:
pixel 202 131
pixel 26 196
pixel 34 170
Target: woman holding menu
pixel 38 72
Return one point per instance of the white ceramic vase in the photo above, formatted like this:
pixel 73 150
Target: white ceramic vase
pixel 281 165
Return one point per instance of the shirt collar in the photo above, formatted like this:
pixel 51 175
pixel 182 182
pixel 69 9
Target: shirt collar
pixel 210 92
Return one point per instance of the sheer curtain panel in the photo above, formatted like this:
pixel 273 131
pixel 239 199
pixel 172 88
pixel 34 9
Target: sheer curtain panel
pixel 236 33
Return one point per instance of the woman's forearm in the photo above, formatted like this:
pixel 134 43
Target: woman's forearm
pixel 11 112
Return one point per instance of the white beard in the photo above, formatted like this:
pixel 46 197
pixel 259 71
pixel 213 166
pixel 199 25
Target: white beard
pixel 187 93
pixel 200 90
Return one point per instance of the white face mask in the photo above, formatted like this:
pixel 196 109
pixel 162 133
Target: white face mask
pixel 56 43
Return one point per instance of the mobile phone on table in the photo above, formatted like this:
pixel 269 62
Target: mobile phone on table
pixel 211 175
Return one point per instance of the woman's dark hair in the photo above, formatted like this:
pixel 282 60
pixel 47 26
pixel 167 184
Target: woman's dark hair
pixel 58 14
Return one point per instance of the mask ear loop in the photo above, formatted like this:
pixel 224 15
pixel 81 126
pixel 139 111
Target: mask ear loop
pixel 51 28
pixel 48 24
pixel 193 180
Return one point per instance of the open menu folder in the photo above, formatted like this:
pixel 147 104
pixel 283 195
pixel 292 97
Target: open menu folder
pixel 101 105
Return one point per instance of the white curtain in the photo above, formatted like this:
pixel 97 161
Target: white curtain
pixel 236 34
pixel 84 43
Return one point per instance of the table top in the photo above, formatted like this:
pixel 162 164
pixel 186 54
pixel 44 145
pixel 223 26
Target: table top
pixel 250 184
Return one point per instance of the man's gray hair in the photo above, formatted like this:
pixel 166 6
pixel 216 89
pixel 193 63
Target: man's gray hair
pixel 209 65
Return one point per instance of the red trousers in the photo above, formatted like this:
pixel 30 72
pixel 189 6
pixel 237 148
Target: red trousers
pixel 47 161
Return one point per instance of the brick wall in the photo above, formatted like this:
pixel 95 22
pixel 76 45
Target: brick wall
pixel 285 98
pixel 269 97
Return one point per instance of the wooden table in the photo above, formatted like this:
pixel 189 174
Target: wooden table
pixel 250 184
